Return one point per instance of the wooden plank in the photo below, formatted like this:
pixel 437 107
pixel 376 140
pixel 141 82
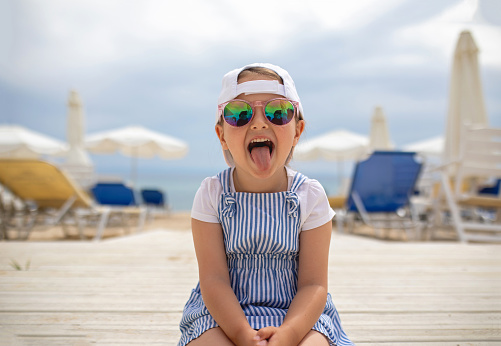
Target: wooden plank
pixel 155 286
pixel 175 301
pixel 156 333
pixel 437 320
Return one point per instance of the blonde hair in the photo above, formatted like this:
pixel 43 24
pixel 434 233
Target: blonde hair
pixel 263 71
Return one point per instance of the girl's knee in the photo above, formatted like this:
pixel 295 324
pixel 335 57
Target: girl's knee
pixel 213 336
pixel 314 338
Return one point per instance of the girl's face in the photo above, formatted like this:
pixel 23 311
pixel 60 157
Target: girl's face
pixel 259 149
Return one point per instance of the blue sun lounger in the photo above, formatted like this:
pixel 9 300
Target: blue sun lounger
pixel 381 188
pixel 121 199
pixel 155 201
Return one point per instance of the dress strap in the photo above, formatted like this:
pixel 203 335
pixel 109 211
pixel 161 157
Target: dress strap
pixel 297 181
pixel 291 196
pixel 224 178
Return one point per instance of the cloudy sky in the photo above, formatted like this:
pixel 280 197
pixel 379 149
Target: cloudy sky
pixel 159 64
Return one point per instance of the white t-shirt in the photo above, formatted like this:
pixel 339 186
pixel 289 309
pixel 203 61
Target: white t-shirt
pixel 315 208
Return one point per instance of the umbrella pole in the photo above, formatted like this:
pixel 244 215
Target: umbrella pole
pixel 133 170
pixel 339 176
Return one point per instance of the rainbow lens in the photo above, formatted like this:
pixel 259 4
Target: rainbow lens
pixel 279 112
pixel 237 113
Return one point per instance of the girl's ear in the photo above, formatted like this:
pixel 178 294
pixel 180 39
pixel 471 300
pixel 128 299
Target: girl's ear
pixel 220 135
pixel 299 130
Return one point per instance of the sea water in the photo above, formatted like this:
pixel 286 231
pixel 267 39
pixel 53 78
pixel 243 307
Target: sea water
pixel 180 188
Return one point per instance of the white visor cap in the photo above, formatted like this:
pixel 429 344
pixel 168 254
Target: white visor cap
pixel 231 89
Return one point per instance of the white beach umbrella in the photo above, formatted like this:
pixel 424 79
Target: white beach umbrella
pixel 379 138
pixel 136 142
pixel 428 147
pixel 77 155
pixel 337 145
pixel 466 101
pixel 20 142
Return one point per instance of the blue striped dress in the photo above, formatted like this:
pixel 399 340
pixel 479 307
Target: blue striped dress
pixel 261 236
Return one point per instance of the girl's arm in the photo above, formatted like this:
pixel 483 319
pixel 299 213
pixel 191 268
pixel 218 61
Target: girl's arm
pixel 215 284
pixel 309 302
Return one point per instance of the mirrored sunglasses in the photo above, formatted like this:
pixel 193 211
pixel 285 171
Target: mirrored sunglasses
pixel 239 113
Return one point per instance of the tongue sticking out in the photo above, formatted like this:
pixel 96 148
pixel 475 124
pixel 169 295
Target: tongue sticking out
pixel 261 157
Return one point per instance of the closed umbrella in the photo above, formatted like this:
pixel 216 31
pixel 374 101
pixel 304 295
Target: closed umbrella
pixel 379 138
pixel 466 101
pixel 136 142
pixel 19 142
pixel 77 155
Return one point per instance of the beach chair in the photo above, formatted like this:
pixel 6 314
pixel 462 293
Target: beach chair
pixel 475 212
pixel 153 197
pixel 49 195
pixel 12 211
pixel 121 200
pixel 155 201
pixel 490 189
pixel 380 193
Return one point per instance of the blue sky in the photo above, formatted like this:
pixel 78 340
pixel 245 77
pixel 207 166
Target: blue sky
pixel 159 64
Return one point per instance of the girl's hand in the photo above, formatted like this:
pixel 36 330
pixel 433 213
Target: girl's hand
pixel 273 336
pixel 264 334
pixel 246 337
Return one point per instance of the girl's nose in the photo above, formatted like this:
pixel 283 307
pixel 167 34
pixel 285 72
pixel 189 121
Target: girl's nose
pixel 259 120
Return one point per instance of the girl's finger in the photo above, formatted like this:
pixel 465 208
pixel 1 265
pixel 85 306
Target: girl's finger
pixel 266 333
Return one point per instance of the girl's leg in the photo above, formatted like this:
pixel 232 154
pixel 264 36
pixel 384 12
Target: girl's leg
pixel 314 338
pixel 212 337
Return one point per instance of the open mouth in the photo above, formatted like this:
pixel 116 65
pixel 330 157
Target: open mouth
pixel 261 143
pixel 260 150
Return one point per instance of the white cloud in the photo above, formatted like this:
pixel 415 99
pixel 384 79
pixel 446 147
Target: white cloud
pixel 6 34
pixel 345 15
pixel 58 35
pixel 439 34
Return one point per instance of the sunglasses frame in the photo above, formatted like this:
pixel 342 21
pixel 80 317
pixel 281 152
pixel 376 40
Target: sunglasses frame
pixel 262 104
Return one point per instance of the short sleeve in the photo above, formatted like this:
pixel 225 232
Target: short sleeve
pixel 315 208
pixel 206 201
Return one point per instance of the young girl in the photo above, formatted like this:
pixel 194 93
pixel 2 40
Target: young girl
pixel 261 231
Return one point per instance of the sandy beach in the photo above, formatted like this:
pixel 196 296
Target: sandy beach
pixel 178 220
pixel 181 221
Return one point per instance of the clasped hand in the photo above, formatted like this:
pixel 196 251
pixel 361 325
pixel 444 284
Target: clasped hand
pixel 273 336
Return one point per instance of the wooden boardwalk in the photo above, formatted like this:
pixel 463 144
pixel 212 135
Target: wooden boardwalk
pixel 131 290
